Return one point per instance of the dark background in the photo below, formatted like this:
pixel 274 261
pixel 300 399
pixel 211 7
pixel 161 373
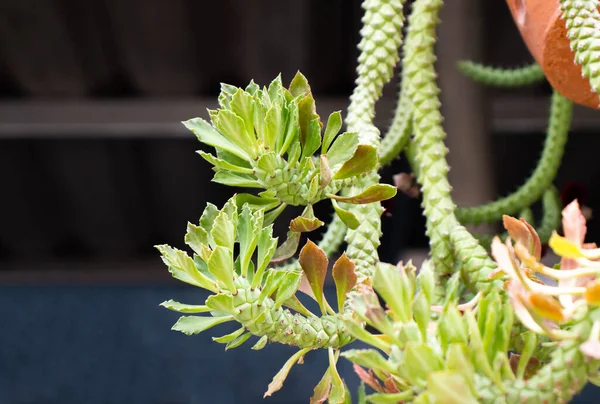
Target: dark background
pixel 95 169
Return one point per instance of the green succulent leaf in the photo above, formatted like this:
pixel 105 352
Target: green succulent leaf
pixel 242 104
pixel 256 202
pixel 391 283
pixel 364 160
pixel 248 233
pixel 452 327
pixel 221 302
pixel 271 216
pixel 450 387
pixel 342 149
pixel 295 304
pixel 303 224
pixel 299 85
pixel 223 232
pixel 374 193
pixel 337 395
pixel 184 308
pixel 220 265
pixel 182 267
pixel 426 281
pixel 224 165
pixel 344 276
pixel 280 377
pixel 225 339
pixel 321 391
pixel 369 358
pixel 190 325
pixel 389 398
pixel 334 124
pixel 347 217
pixel 260 344
pixel 421 360
pixel 288 287
pixel 210 136
pixel 359 332
pixel 457 359
pixel 313 138
pixel 197 238
pixel 233 128
pixel 267 246
pixel 306 113
pixel 421 313
pixel 238 341
pixel 236 180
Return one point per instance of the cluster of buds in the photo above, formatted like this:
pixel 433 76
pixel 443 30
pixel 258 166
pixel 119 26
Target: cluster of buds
pixel 549 307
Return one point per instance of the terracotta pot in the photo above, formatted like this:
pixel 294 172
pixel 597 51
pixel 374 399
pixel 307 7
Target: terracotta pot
pixel 545 35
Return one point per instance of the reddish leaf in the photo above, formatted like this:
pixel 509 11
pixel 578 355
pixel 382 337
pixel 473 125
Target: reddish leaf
pixel 344 276
pixel 522 232
pixel 314 263
pixel 363 160
pixel 287 249
pixel 368 378
pixel 325 171
pixel 390 385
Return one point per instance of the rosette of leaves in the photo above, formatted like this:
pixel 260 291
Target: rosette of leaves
pixel 268 139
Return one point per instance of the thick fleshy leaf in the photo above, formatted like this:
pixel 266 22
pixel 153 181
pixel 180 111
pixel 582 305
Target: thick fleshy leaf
pixel 374 193
pixel 183 268
pixel 220 302
pixel 190 325
pixel 236 180
pixel 324 171
pixel 421 313
pixel 223 232
pixel 304 224
pixel 421 361
pixel 370 359
pixel 426 280
pixel 210 136
pixel 347 217
pixel 364 160
pixel 299 85
pixel 288 287
pixel 247 236
pixel 313 138
pixel 306 113
pixel 450 387
pixel 208 217
pixel 238 341
pixel 184 308
pixel 267 245
pixel 224 165
pixel 196 237
pixel 260 344
pixel 269 163
pixel 521 232
pixel 220 265
pixel 457 359
pixel 334 124
pixel 280 377
pixel 272 282
pixel 390 398
pixel 392 284
pixel 292 131
pixel 295 304
pixel 256 202
pixel 452 328
pixel 321 391
pixel 342 149
pixel 359 332
pixel 337 395
pixel 287 249
pixel 344 276
pixel 242 104
pixel 273 126
pixel 274 214
pixel 314 263
pixel 233 128
pixel 225 339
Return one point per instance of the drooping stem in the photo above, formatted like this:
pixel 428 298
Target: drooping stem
pixel 558 129
pixel 381 38
pixel 504 78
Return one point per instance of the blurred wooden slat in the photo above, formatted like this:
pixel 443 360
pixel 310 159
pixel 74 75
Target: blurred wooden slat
pixel 38 49
pixel 156 46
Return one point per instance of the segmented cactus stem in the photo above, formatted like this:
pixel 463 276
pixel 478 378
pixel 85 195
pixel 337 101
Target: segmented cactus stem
pixel 500 77
pixel 558 129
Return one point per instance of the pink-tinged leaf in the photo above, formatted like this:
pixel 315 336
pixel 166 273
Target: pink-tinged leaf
pixel 503 258
pixel 303 224
pixel 287 249
pixel 280 377
pixel 305 287
pixel 314 263
pixel 321 391
pixel 390 385
pixel 521 232
pixel 324 171
pixel 515 294
pixel 363 160
pixel 345 278
pixel 374 193
pixel 591 349
pixel 573 222
pixel 406 183
pixel 369 378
